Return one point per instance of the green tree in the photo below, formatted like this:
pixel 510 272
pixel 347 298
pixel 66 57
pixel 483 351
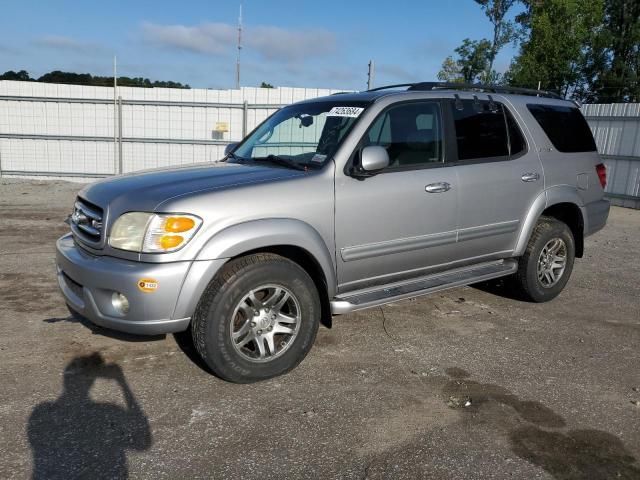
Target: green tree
pixel 613 67
pixel 450 71
pixel 266 85
pixel 22 75
pixel 558 34
pixel 471 62
pixel 503 29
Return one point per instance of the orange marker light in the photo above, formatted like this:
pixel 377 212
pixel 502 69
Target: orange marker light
pixel 178 224
pixel 170 241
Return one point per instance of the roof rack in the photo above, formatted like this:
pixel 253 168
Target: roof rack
pixel 478 87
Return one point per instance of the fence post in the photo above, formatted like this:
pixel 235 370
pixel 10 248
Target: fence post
pixel 120 135
pixel 245 111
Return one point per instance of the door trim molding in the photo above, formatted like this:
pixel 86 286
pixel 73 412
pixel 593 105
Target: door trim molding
pixel 398 245
pixel 489 230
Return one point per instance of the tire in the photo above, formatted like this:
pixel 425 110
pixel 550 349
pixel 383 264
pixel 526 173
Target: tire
pixel 535 286
pixel 227 333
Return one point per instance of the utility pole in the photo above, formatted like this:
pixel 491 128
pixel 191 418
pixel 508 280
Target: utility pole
pixel 239 48
pixel 115 116
pixel 370 75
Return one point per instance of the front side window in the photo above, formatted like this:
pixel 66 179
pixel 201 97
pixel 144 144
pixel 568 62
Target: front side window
pixel 410 132
pixel 566 128
pixel 303 135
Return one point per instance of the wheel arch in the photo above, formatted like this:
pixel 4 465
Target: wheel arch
pixel 562 203
pixel 290 238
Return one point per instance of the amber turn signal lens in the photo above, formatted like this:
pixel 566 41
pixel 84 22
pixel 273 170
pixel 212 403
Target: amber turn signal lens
pixel 170 241
pixel 178 224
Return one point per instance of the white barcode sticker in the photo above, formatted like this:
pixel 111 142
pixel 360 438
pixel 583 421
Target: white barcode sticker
pixel 345 112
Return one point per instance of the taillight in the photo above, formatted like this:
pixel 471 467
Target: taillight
pixel 601 169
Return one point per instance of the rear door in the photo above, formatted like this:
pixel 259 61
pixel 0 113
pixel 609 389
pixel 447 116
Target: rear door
pixel 499 176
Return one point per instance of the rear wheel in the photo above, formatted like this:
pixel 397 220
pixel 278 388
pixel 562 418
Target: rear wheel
pixel 545 267
pixel 257 319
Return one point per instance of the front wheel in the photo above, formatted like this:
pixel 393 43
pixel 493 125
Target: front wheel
pixel 257 319
pixel 545 267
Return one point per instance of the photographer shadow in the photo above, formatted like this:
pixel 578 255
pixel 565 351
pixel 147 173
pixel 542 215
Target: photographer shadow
pixel 75 436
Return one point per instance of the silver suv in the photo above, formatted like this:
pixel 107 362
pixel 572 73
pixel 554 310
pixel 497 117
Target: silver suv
pixel 333 205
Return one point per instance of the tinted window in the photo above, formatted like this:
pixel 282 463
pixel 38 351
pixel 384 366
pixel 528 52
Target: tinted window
pixel 480 131
pixel 565 126
pixel 411 133
pixel 517 144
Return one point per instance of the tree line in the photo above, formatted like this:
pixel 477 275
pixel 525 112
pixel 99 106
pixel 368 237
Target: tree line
pixel 87 79
pixel 584 49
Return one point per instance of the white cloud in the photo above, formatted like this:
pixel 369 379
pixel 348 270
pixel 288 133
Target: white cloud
pixel 275 43
pixel 208 38
pixel 60 42
pixel 269 42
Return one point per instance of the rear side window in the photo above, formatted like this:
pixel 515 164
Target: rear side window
pixel 480 131
pixel 566 128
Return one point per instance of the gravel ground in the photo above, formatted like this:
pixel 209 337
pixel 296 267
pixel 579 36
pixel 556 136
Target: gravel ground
pixel 553 388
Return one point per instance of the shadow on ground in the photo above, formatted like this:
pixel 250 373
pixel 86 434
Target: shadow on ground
pixel 539 435
pixel 77 437
pixel 74 317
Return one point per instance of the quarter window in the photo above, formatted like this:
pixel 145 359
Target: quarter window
pixel 411 134
pixel 565 126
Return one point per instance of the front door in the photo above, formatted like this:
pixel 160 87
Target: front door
pixel 401 222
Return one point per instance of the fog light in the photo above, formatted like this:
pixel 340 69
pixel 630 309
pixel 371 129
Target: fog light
pixel 120 303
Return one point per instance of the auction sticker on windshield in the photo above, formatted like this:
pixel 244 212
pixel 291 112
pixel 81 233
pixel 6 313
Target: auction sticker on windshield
pixel 345 112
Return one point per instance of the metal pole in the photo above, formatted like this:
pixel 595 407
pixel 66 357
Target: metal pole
pixel 245 111
pixel 120 135
pixel 370 75
pixel 239 48
pixel 115 114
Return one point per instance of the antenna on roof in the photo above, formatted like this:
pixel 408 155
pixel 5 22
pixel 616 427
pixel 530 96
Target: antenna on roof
pixel 239 48
pixel 370 75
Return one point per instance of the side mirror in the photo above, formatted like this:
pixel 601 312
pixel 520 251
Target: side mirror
pixel 229 148
pixel 373 158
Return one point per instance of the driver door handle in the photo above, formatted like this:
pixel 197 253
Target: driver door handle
pixel 530 177
pixel 437 187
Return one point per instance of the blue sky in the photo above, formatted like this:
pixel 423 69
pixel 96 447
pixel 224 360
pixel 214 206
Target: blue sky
pixel 286 42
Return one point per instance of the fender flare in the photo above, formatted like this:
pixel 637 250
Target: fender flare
pixel 547 198
pixel 256 234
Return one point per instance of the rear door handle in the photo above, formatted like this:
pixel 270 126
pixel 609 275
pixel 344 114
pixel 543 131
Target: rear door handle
pixel 530 177
pixel 437 187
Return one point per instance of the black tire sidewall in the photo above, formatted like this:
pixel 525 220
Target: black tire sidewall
pixel 535 289
pixel 222 356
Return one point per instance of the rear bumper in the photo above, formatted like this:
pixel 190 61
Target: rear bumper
pixel 88 283
pixel 595 216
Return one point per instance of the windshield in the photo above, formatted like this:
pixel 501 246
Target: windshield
pixel 304 135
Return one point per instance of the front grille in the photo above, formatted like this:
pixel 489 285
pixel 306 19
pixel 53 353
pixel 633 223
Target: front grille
pixel 86 222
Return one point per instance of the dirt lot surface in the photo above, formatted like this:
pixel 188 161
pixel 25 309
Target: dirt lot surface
pixel 554 389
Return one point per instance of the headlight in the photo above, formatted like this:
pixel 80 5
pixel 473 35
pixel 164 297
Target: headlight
pixel 151 232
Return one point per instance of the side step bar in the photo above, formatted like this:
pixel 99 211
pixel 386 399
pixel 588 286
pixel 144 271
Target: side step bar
pixel 373 297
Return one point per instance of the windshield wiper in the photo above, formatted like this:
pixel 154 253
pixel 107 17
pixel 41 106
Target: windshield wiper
pixel 233 156
pixel 285 162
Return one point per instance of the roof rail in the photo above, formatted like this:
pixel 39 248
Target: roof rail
pixel 479 87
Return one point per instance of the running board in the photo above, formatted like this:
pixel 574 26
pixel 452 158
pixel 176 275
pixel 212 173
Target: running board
pixel 373 297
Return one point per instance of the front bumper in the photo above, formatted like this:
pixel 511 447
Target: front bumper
pixel 88 283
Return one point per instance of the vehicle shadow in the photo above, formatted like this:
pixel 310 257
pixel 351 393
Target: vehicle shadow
pixel 74 317
pixel 539 435
pixel 77 437
pixel 500 288
pixel 184 340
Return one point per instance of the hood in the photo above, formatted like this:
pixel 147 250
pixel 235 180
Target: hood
pixel 144 191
